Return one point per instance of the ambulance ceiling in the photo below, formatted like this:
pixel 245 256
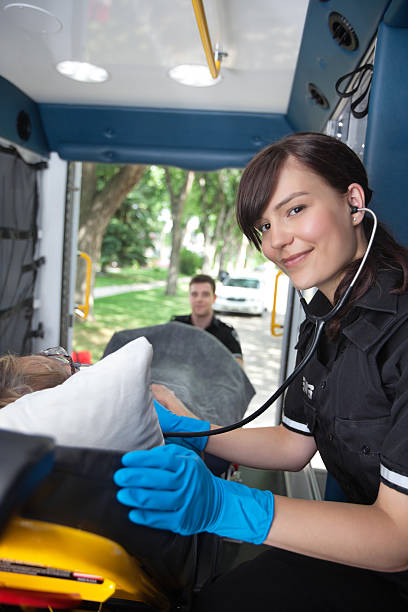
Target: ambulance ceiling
pixel 277 52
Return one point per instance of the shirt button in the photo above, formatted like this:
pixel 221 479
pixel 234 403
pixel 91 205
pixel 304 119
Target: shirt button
pixel 331 437
pixel 365 450
pixel 323 384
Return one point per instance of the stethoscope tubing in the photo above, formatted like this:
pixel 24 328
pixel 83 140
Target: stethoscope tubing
pixel 319 323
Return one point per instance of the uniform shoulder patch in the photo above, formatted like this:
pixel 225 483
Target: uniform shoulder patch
pixel 230 329
pixel 234 334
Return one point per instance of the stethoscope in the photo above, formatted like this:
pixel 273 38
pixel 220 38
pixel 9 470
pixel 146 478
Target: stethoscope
pixel 319 323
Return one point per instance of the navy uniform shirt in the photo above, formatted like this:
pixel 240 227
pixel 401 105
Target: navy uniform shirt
pixel 353 395
pixel 224 332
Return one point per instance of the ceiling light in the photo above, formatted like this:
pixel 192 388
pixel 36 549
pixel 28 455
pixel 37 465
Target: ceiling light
pixel 82 71
pixel 32 18
pixel 194 75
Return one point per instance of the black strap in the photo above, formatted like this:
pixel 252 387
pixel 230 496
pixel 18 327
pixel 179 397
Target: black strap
pixel 26 303
pixel 34 265
pixel 11 233
pixel 42 165
pixel 362 71
pixel 36 333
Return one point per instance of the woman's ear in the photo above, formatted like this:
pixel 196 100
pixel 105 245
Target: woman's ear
pixel 356 200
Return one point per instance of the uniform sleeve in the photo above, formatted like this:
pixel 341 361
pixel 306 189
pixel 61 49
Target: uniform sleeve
pixel 394 453
pixel 294 417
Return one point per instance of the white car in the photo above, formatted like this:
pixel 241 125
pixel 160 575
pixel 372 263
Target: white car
pixel 242 294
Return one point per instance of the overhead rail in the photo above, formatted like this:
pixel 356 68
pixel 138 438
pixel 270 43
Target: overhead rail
pixel 213 60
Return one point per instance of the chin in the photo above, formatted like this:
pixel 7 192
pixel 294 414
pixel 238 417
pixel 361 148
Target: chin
pixel 302 285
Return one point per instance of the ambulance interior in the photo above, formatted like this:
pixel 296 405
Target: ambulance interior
pixel 333 66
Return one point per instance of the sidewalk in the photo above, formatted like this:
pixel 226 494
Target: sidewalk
pixel 100 292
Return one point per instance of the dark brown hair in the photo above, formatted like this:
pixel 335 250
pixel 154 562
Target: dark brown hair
pixel 339 166
pixel 22 375
pixel 203 278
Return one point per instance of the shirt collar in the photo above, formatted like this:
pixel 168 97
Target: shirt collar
pixel 382 306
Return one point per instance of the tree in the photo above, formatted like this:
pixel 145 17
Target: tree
pixel 213 200
pixel 104 187
pixel 135 226
pixel 209 204
pixel 179 183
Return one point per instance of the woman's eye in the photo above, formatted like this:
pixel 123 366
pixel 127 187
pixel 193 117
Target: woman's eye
pixel 264 227
pixel 295 210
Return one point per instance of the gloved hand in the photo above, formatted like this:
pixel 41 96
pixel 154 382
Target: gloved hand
pixel 169 487
pixel 172 422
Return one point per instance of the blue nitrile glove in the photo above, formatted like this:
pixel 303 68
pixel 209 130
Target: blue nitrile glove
pixel 169 487
pixel 172 422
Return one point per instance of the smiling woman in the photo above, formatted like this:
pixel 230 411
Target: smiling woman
pixel 303 201
pixel 310 233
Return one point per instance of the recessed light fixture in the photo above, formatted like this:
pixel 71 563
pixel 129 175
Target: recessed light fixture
pixel 32 18
pixel 82 71
pixel 194 75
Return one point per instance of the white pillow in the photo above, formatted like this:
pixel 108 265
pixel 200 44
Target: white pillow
pixel 107 405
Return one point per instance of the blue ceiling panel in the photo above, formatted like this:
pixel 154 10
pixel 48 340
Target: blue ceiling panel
pixel 20 122
pixel 198 140
pixel 386 151
pixel 322 61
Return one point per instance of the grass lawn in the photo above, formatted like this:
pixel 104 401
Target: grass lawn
pixel 127 276
pixel 126 311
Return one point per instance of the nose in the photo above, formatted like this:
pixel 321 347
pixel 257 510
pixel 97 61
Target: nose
pixel 277 236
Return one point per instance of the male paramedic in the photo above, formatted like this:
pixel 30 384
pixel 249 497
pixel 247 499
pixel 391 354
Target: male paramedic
pixel 202 297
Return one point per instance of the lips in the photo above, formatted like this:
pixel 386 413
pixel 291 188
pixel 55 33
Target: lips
pixel 293 260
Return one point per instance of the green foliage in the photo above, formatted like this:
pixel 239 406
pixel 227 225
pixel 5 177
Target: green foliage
pixel 119 244
pixel 134 227
pixel 189 262
pixel 212 200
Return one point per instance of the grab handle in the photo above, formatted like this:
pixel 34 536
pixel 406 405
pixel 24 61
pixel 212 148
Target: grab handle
pixel 274 325
pixel 82 309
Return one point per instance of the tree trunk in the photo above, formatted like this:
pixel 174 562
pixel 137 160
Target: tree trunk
pixel 207 254
pixel 97 209
pixel 177 202
pixel 241 261
pixel 223 237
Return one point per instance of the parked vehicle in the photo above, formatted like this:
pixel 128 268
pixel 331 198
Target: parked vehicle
pixel 242 294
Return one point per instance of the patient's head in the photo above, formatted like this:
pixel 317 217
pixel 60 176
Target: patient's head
pixel 22 375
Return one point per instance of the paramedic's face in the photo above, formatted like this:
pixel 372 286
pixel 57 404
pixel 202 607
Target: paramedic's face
pixel 308 231
pixel 202 299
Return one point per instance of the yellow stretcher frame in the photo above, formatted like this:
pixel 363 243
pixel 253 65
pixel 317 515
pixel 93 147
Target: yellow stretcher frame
pixel 46 558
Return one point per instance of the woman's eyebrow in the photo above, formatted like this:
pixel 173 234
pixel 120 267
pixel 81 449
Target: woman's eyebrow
pixel 290 197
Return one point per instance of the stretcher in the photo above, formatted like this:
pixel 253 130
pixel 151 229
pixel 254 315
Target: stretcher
pixel 65 543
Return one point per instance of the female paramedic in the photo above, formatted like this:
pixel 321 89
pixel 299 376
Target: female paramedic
pixel 301 201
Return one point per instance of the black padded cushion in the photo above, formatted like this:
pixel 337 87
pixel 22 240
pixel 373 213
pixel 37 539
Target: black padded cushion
pixel 80 493
pixel 25 460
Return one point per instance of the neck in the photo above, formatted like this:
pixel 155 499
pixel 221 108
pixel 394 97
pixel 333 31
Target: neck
pixel 203 321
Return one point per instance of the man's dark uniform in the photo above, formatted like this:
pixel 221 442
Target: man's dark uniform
pixel 224 332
